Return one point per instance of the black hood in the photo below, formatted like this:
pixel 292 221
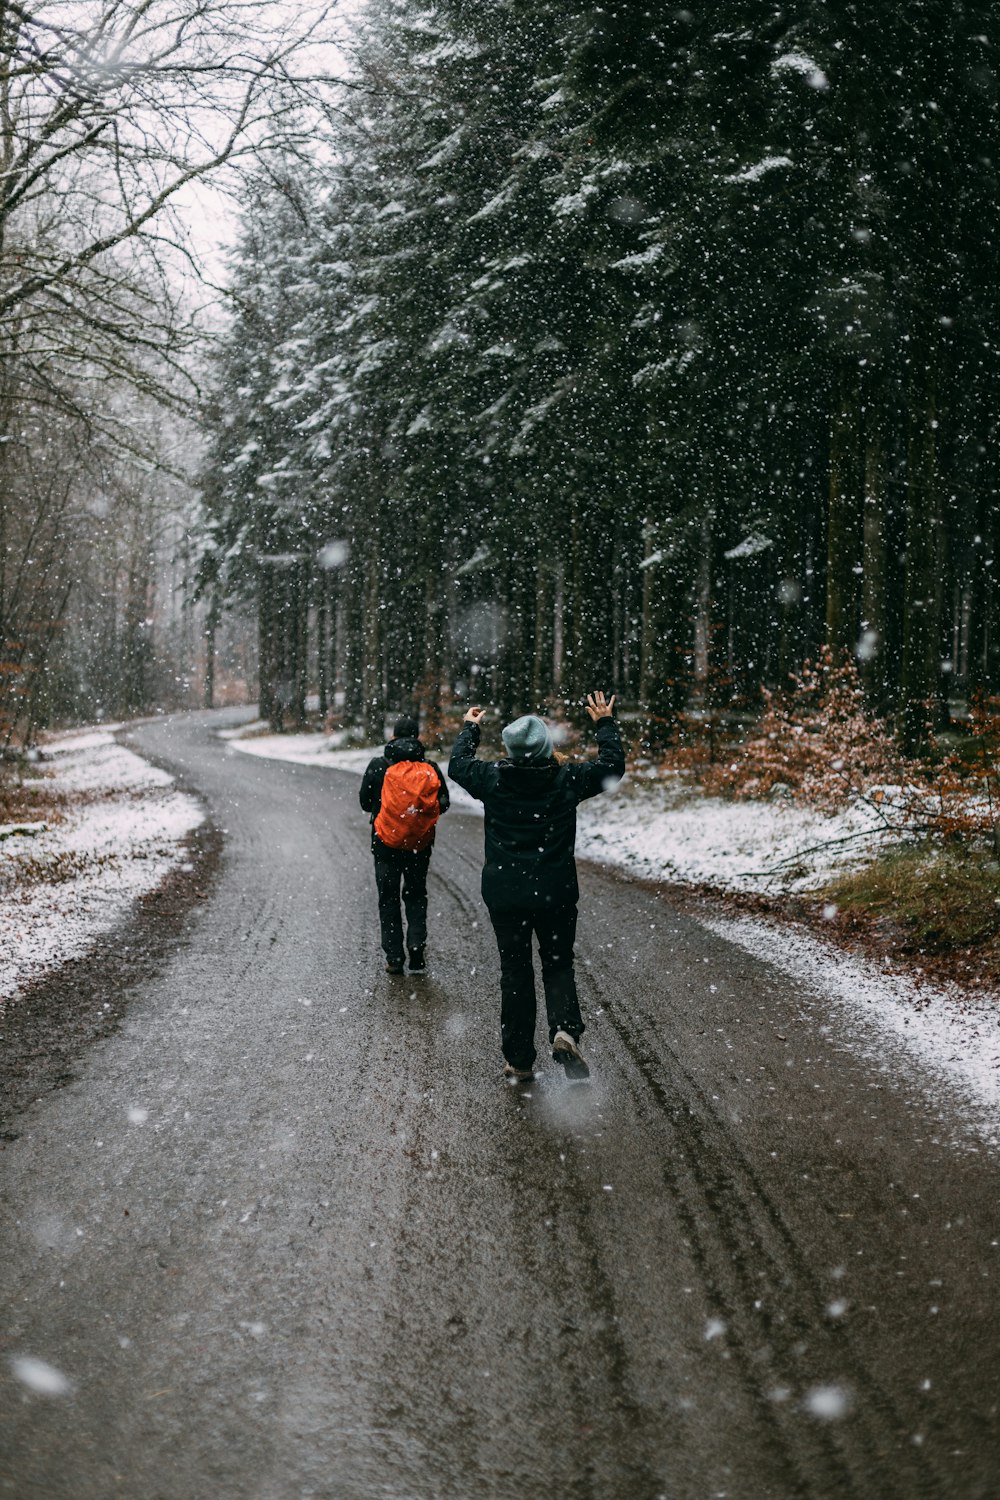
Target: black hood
pixel 547 764
pixel 533 772
pixel 404 749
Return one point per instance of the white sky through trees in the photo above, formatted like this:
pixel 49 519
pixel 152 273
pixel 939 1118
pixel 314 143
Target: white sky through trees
pixel 209 209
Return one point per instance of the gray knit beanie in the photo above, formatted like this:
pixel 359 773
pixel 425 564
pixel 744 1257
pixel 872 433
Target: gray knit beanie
pixel 527 739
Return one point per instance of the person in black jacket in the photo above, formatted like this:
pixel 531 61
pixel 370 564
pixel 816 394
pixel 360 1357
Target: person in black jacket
pixel 529 877
pixel 395 865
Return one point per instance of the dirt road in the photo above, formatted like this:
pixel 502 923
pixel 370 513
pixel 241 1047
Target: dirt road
pixel 289 1234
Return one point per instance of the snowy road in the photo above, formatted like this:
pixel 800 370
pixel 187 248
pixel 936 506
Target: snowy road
pixel 289 1235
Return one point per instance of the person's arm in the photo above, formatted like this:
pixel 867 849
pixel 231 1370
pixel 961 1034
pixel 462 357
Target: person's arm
pixel 370 793
pixel 444 798
pixel 463 766
pixel 607 770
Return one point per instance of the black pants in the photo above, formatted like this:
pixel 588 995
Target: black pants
pixel 556 933
pixel 391 867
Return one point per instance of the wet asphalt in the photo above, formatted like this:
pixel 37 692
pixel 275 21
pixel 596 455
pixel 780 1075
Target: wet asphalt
pixel 289 1233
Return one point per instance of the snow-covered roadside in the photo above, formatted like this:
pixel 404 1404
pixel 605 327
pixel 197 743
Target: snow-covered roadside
pixel 119 835
pixel 945 1040
pixel 659 829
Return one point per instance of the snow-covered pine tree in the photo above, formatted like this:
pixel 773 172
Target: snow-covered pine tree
pixel 262 483
pixel 617 367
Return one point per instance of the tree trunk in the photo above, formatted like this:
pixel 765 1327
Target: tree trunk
pixel 844 512
pixel 978 606
pixel 649 637
pixel 544 605
pixel 432 687
pixel 920 685
pixel 211 628
pixel 517 647
pixel 322 644
pixel 658 641
pixel 559 635
pixel 702 644
pixel 299 577
pixel 573 608
pixel 372 704
pixel 349 618
pixel 873 645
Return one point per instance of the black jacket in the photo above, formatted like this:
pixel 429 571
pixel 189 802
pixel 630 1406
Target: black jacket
pixel 530 816
pixel 371 782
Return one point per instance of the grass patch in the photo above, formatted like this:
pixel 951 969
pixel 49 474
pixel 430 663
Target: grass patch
pixel 29 798
pixel 29 870
pixel 938 901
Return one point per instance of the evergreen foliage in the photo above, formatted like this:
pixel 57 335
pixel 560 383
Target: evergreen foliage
pixel 639 348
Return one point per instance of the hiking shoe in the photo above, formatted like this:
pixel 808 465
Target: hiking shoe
pixel 566 1050
pixel 418 960
pixel 521 1075
pixel 394 966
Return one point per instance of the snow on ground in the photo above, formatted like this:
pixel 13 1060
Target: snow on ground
pixel 659 829
pixel 119 836
pixel 945 1039
pixel 947 1043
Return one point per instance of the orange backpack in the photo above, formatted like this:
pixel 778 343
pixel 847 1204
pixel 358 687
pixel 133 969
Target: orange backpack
pixel 410 806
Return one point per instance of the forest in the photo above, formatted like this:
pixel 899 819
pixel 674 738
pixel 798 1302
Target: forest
pixel 644 348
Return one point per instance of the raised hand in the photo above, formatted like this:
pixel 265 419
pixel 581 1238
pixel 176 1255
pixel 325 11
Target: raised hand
pixel 599 707
pixel 474 715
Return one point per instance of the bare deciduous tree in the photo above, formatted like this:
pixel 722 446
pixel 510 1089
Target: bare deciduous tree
pixel 102 123
pixel 107 114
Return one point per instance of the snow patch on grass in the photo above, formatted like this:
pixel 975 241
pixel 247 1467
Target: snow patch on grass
pixel 119 837
pixel 659 829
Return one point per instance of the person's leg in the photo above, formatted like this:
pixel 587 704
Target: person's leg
pixel 556 937
pixel 517 985
pixel 387 875
pixel 415 868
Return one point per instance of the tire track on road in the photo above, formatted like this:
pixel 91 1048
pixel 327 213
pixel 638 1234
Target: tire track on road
pixel 717 1185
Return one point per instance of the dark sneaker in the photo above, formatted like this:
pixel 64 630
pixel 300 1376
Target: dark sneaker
pixel 418 960
pixel 566 1050
pixel 394 966
pixel 521 1075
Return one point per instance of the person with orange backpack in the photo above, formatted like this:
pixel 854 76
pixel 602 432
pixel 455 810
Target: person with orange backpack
pixel 405 794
